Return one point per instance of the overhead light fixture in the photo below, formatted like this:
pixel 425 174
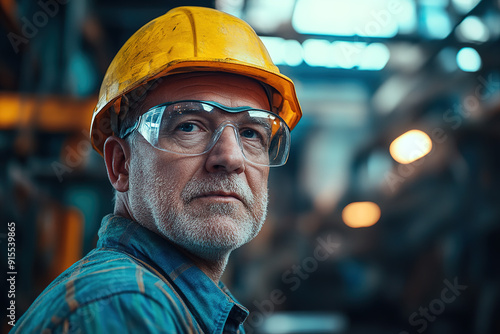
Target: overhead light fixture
pixel 437 22
pixel 374 57
pixel 465 6
pixel 233 7
pixel 367 18
pixel 410 146
pixel 472 29
pixel 267 16
pixel 469 60
pixel 318 52
pixel 361 214
pixel 322 53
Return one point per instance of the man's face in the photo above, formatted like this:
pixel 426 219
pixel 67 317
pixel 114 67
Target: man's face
pixel 208 204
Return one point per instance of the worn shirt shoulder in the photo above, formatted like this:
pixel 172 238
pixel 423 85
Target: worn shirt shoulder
pixel 106 288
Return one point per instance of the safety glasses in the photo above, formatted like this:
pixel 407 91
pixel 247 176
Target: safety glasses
pixel 193 127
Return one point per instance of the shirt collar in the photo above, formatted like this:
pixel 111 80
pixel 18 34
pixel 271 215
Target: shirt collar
pixel 211 304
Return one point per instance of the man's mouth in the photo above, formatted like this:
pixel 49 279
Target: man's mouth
pixel 229 190
pixel 220 195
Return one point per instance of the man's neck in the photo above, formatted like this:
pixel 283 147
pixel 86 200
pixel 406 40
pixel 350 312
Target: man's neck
pixel 212 268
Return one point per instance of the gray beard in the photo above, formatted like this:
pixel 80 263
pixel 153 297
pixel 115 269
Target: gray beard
pixel 202 232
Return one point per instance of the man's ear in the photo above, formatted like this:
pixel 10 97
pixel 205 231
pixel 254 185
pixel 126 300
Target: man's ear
pixel 117 159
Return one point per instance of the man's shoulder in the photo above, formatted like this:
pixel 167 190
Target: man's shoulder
pixel 104 278
pixel 103 272
pixel 107 272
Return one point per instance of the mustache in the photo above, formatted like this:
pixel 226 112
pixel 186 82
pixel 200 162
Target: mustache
pixel 197 187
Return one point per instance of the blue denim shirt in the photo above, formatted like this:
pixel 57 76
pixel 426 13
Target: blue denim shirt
pixel 133 282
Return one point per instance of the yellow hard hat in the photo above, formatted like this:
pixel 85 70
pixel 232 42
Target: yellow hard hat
pixel 190 39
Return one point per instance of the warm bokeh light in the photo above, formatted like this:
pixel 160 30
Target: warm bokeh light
pixel 361 214
pixel 410 146
pixel 48 113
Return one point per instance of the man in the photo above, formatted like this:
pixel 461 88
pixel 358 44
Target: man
pixel 191 115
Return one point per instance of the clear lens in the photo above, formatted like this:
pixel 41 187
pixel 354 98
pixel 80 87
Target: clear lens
pixel 193 128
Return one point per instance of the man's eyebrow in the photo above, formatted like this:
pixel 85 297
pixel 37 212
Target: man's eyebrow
pixel 239 117
pixel 246 118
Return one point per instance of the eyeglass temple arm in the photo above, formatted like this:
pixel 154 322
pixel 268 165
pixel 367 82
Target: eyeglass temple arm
pixel 132 128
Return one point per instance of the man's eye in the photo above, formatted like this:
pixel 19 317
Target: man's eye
pixel 187 127
pixel 249 133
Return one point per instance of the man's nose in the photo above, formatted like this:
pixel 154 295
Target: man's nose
pixel 226 155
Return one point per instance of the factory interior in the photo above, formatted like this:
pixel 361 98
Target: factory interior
pixel 382 221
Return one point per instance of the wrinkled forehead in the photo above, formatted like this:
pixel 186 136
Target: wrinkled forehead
pixel 227 89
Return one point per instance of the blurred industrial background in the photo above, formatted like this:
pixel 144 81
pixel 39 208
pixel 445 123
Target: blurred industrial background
pixel 386 218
